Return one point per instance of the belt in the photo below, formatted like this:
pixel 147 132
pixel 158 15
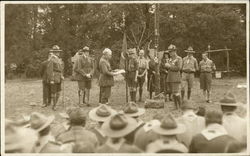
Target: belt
pixel 206 72
pixel 191 72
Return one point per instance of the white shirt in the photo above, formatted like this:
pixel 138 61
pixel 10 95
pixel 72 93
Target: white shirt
pixel 235 126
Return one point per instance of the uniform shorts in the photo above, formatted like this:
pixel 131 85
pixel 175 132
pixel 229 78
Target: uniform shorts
pixel 205 81
pixel 140 81
pixel 56 87
pixel 174 87
pixel 187 80
pixel 84 84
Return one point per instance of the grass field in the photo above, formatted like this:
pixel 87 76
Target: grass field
pixel 25 96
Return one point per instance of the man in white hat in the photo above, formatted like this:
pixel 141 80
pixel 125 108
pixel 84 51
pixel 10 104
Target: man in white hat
pixel 214 138
pixel 168 143
pixel 84 68
pixel 174 76
pixel 100 114
pixel 116 128
pixel 55 74
pixel 206 67
pixel 189 67
pixel 106 78
pixel 46 142
pixel 235 125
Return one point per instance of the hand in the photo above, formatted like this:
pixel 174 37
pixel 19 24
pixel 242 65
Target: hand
pixel 52 82
pixel 62 77
pixel 136 79
pixel 88 75
pixel 167 65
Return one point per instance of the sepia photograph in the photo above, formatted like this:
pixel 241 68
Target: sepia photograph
pixel 102 77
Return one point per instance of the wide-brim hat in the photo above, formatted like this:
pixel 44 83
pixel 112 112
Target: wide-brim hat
pixel 39 121
pixel 169 126
pixel 16 137
pixel 55 48
pixel 85 48
pixel 172 48
pixel 229 99
pixel 189 50
pixel 101 113
pixel 132 110
pixel 119 125
pixel 188 104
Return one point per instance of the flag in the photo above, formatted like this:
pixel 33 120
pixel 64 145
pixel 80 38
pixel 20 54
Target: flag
pixel 124 52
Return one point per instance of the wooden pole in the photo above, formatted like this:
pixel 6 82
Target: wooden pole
pixel 228 72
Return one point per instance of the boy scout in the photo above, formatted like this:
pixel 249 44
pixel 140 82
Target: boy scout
pixel 207 66
pixel 174 75
pixel 84 69
pixel 132 73
pixel 143 66
pixel 190 66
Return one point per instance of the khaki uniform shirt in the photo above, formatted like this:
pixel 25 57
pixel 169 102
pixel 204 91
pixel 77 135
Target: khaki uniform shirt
pixel 174 74
pixel 143 64
pixel 190 64
pixel 207 66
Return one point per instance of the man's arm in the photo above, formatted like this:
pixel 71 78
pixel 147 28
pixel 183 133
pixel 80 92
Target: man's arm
pixel 105 70
pixel 77 68
pixel 196 66
pixel 177 66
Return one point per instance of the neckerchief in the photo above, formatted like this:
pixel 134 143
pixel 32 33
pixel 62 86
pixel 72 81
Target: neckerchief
pixel 213 131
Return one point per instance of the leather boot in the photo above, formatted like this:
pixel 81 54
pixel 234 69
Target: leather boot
pixel 140 95
pixel 175 101
pixel 83 97
pixel 182 94
pixel 189 93
pixel 179 101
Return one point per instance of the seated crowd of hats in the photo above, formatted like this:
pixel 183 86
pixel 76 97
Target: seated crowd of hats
pixel 122 131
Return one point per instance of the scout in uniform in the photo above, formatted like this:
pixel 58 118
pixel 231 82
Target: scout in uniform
pixel 132 73
pixel 100 114
pixel 163 75
pixel 116 128
pixel 234 124
pixel 46 142
pixel 207 66
pixel 77 131
pixel 106 78
pixel 132 110
pixel 16 140
pixel 168 143
pixel 189 67
pixel 214 138
pixel 194 123
pixel 55 74
pixel 46 84
pixel 174 76
pixel 152 71
pixel 143 66
pixel 84 69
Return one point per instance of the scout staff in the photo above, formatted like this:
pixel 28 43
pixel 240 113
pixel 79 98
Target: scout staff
pixel 84 69
pixel 132 73
pixel 106 78
pixel 174 77
pixel 143 66
pixel 45 82
pixel 207 66
pixel 163 75
pixel 168 143
pixel 55 74
pixel 189 67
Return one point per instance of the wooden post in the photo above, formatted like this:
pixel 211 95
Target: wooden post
pixel 228 72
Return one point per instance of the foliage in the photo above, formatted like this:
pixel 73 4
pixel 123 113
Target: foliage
pixel 30 30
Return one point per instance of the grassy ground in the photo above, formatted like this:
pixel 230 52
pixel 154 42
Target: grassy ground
pixel 25 96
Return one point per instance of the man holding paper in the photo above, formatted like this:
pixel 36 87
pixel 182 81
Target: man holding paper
pixel 106 78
